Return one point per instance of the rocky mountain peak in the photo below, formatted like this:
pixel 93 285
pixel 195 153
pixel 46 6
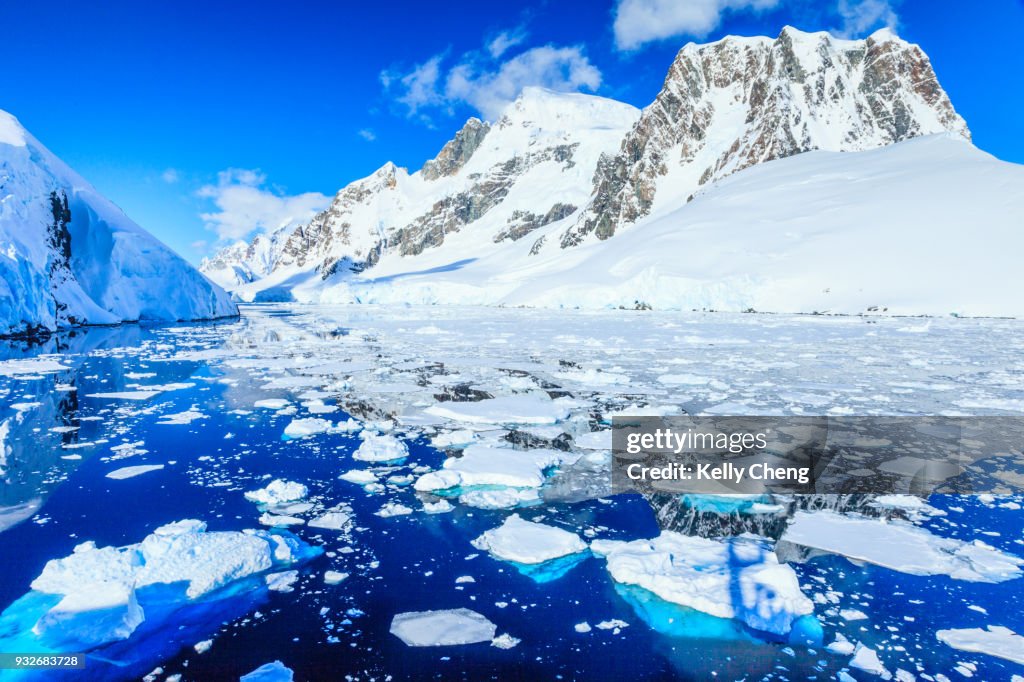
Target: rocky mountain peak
pixel 457 151
pixel 737 102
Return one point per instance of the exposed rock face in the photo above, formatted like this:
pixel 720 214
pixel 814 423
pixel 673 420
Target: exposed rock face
pixel 737 102
pixel 454 155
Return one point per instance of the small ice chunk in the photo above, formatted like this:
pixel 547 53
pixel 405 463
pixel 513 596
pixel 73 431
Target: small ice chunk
pixel 442 628
pixel 865 658
pixel 332 520
pixel 132 472
pixel 526 542
pixel 182 418
pixel 393 509
pixel 277 520
pixel 334 577
pixel 582 628
pixel 379 448
pixel 277 492
pixel 204 646
pixel 505 641
pixel 437 480
pixel 359 476
pixel 613 624
pixel 272 403
pixel 307 426
pixel 269 672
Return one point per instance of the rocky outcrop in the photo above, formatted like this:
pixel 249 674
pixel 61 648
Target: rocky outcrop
pixel 454 155
pixel 738 102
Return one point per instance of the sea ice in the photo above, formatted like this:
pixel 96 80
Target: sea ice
pixel 131 472
pixel 865 658
pixel 393 509
pixel 379 448
pixel 307 426
pixel 359 476
pixel 526 542
pixel 269 672
pixel 516 409
pixel 738 579
pixel 277 492
pixel 900 546
pixel 442 628
pixel 995 640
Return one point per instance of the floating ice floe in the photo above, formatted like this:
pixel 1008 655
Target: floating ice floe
pixel 439 507
pixel 505 641
pixel 99 595
pixel 737 579
pixel 124 395
pixel 899 546
pixel 39 365
pixel 453 439
pixel 865 658
pixel 526 542
pixel 283 581
pixel 280 520
pixel 995 640
pixel 594 440
pixel 132 472
pixel 334 577
pixel 335 519
pixel 442 628
pixel 278 492
pixel 307 426
pixel 393 509
pixel 359 476
pixel 272 403
pixel 516 409
pixel 269 672
pixel 379 448
pixel 182 418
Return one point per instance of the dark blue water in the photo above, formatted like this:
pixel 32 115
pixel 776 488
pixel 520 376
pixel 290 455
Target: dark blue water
pixel 405 563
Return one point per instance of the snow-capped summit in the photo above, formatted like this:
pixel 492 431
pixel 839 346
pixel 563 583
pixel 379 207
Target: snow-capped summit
pixel 68 256
pixel 493 182
pixel 738 102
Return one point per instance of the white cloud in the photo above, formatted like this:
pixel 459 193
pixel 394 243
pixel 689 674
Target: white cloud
pixel 489 91
pixel 419 87
pixel 245 205
pixel 862 16
pixel 504 41
pixel 367 134
pixel 638 22
pixel 488 83
pixel 170 176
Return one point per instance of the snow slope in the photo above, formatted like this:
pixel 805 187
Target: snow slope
pixel 927 226
pixel 68 256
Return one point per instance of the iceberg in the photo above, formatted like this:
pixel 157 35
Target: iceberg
pixel 379 448
pixel 738 579
pixel 516 409
pixel 442 628
pixel 278 492
pixel 526 542
pixel 100 595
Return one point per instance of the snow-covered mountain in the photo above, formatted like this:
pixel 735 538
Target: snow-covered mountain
pixel 490 185
pixel 574 200
pixel 68 256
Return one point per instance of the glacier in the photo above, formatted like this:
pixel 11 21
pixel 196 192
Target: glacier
pixel 68 256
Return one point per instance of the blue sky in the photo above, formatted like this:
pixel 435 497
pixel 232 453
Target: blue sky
pixel 204 121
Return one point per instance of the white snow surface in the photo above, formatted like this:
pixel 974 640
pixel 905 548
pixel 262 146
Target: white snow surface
pixel 526 542
pixel 442 628
pixel 702 574
pixel 900 546
pixel 116 270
